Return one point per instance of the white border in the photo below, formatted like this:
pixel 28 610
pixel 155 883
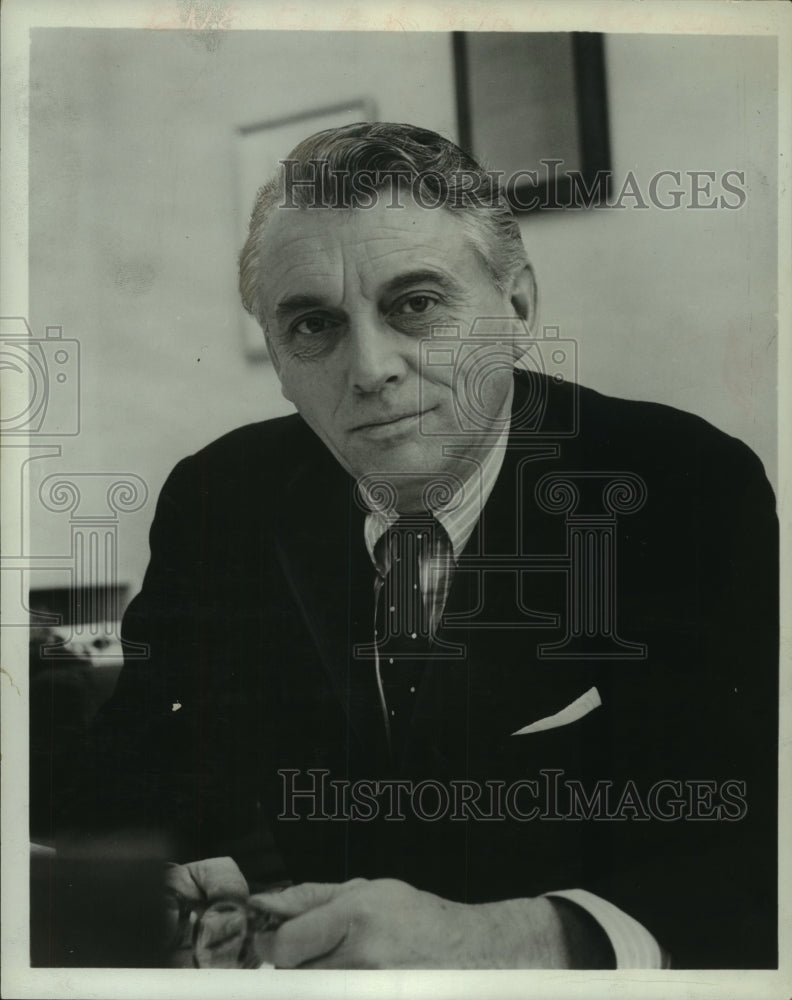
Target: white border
pixel 617 16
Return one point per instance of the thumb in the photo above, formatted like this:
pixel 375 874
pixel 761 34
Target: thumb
pixel 299 899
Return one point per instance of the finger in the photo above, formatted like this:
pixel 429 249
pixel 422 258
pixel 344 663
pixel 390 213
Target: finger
pixel 211 878
pixel 221 936
pixel 299 899
pixel 310 936
pixel 220 878
pixel 178 877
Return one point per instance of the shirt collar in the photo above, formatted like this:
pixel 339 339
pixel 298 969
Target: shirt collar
pixel 460 514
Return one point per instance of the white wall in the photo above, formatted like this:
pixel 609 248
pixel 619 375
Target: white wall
pixel 678 306
pixel 133 230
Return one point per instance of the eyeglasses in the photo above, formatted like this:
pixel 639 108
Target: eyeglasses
pixel 225 934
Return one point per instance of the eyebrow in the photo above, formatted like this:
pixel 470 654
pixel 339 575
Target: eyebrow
pixel 294 303
pixel 417 277
pixel 291 304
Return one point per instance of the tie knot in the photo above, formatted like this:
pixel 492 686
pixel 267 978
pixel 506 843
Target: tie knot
pixel 410 539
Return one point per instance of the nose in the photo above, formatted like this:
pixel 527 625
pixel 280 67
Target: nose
pixel 376 356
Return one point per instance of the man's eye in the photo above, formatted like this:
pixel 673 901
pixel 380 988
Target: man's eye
pixel 414 304
pixel 312 326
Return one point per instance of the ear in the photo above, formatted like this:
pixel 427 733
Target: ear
pixel 523 295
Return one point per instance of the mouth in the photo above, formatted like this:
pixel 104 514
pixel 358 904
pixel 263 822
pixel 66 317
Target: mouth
pixel 392 424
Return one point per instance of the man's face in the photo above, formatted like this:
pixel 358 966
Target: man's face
pixel 348 296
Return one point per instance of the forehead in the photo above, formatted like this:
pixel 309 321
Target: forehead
pixel 376 243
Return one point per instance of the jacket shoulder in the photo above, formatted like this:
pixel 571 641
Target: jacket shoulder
pixel 659 435
pixel 252 464
pixel 280 436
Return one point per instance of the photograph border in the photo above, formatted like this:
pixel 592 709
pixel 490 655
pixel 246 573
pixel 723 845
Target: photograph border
pixel 611 16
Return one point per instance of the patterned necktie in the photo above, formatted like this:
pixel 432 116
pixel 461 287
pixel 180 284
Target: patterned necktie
pixel 403 634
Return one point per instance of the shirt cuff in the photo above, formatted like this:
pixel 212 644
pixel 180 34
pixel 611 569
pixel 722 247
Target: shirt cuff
pixel 633 945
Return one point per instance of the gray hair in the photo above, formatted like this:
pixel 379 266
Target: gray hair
pixel 323 170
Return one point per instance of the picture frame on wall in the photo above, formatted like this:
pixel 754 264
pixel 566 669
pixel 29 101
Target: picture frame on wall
pixel 535 105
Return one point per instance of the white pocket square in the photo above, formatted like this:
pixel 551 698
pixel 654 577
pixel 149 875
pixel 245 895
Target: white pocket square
pixel 581 706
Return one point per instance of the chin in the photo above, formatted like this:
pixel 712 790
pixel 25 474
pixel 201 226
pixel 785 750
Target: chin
pixel 406 460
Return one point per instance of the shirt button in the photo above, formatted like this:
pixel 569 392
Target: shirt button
pixel 412 690
pixel 414 635
pixel 390 660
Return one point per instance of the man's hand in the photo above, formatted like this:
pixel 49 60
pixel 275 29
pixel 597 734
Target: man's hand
pixel 208 880
pixel 387 924
pixel 201 883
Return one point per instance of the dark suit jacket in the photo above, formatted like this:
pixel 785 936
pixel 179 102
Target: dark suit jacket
pixel 259 586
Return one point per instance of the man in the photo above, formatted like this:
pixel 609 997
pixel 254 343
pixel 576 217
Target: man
pixel 484 660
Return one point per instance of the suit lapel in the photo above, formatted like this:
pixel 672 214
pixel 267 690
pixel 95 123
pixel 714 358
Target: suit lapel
pixel 318 538
pixel 501 682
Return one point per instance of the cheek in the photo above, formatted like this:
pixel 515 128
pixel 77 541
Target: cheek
pixel 312 390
